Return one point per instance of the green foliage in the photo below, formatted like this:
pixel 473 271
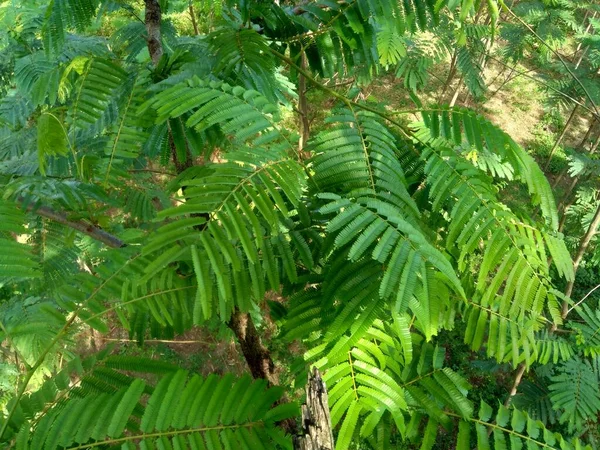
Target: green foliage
pixel 181 410
pixel 62 15
pixel 16 261
pixel 574 391
pixel 509 426
pixel 52 139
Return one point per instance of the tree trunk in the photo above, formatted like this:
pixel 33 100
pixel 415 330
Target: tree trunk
pixel 153 20
pixel 583 246
pixel 256 354
pixel 316 423
pixel 193 16
pixel 258 357
pixel 562 135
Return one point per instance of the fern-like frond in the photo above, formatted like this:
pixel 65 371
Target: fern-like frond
pixel 588 330
pixel 98 83
pixel 508 427
pixel 390 45
pixel 38 77
pixel 181 410
pixel 17 262
pixel 128 133
pixel 15 110
pixel 476 216
pixel 246 115
pixel 515 284
pixel 244 56
pixel 400 246
pixel 233 230
pixel 470 69
pixel 63 15
pixel 574 393
pixel 52 139
pixel 378 376
pixel 534 398
pixel 358 153
pixel 460 126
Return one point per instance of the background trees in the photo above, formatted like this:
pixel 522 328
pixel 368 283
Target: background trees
pixel 174 166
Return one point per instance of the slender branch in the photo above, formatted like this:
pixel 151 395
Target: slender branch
pixel 90 230
pixel 156 341
pixel 562 135
pixel 403 128
pixel 160 172
pixel 498 427
pixel 583 299
pixel 518 378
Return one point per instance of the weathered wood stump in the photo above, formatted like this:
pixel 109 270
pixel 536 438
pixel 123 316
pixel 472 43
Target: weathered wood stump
pixel 316 431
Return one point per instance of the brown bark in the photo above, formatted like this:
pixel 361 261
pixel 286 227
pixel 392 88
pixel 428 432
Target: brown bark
pixel 85 228
pixel 316 422
pixel 153 19
pixel 193 16
pixel 256 354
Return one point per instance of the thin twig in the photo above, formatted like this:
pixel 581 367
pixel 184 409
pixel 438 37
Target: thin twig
pixel 583 299
pixel 155 341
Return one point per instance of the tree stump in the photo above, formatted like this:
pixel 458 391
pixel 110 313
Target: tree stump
pixel 316 431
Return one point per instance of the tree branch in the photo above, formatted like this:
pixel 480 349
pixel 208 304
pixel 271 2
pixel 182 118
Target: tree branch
pixel 85 228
